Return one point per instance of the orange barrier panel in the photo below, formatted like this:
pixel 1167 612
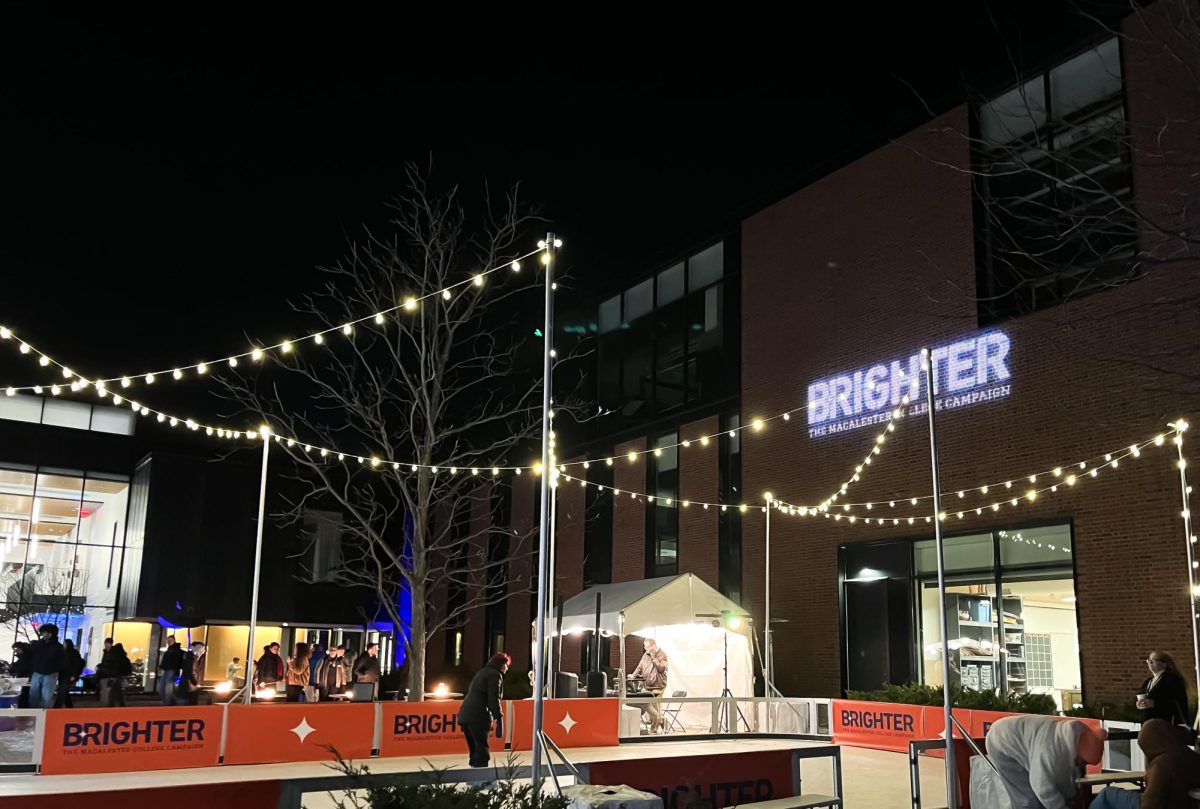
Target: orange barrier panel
pixel 568 722
pixel 880 725
pixel 731 779
pixel 94 740
pixel 267 734
pixel 428 729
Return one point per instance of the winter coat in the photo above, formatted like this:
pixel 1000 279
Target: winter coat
pixel 1170 698
pixel 331 675
pixel 652 668
pixel 1036 759
pixel 114 665
pixel 19 667
pixel 1172 768
pixel 269 668
pixel 172 658
pixel 191 673
pixel 298 671
pixel 72 664
pixel 314 660
pixel 482 703
pixel 366 668
pixel 46 657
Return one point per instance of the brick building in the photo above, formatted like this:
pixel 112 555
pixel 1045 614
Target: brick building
pixel 926 241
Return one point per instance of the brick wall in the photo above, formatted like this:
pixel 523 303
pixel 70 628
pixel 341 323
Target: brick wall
pixel 521 572
pixel 698 472
pixel 876 260
pixel 572 503
pixel 629 528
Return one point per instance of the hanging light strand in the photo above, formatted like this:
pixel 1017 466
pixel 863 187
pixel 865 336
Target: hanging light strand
pixel 1003 497
pixel 256 354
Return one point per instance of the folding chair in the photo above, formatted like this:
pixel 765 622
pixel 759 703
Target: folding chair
pixel 670 713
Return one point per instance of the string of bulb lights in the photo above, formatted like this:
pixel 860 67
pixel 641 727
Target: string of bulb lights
pixel 258 353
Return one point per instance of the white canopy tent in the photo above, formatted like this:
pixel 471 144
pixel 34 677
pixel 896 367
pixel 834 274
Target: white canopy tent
pixel 678 613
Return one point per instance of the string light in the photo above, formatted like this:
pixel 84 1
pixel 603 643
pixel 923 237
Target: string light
pixel 283 346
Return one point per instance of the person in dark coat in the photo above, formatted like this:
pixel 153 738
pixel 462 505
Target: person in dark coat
pixel 72 668
pixel 113 669
pixel 314 660
pixel 1172 768
pixel 366 665
pixel 191 676
pixel 481 706
pixel 1163 695
pixel 269 669
pixel 47 660
pixel 169 666
pixel 19 668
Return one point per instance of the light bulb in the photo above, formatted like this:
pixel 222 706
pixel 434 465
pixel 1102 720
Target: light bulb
pixel 177 374
pixel 324 452
pixel 608 461
pixel 149 379
pixel 67 373
pixel 347 329
pixel 25 348
pixel 5 333
pixel 161 418
pixel 632 456
pixel 379 319
pixel 1033 478
pixel 208 430
pixel 914 501
pixel 38 389
pixel 43 361
pixel 495 471
pixel 55 390
pixel 704 441
pixel 1014 501
pixel 558 242
pixel 202 369
pixel 1070 480
pixel 787 416
pixel 256 354
pixel 962 494
pixel 286 347
pixel 478 280
pixel 983 489
pixel 516 266
pixel 685 444
pixel 757 424
pixel 541 245
pixel 1031 494
pixel 1093 473
pixel 1008 484
pixel 1158 440
pixel 10 392
pixel 233 362
pixel 410 304
pixel 1058 471
pixel 319 339
pixel 545 258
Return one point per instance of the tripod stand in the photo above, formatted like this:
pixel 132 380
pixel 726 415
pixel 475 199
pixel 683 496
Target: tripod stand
pixel 724 715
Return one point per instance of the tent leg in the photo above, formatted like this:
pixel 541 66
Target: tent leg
pixel 621 673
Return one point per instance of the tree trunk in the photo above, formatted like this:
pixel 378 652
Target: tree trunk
pixel 416 648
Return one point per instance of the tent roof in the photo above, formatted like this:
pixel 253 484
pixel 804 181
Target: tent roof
pixel 647 603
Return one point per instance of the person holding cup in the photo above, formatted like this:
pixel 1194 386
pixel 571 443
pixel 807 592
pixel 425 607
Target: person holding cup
pixel 1163 695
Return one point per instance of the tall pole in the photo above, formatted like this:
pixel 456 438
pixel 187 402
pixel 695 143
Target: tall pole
pixel 551 659
pixel 768 678
pixel 265 434
pixel 947 704
pixel 1189 541
pixel 539 651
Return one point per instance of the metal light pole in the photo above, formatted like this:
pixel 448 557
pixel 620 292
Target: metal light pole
pixel 930 376
pixel 768 679
pixel 1181 426
pixel 550 658
pixel 539 651
pixel 264 433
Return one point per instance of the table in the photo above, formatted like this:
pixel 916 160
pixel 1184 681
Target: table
pixel 1104 779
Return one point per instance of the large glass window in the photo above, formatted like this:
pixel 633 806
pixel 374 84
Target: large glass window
pixel 66 413
pixel 664 342
pixel 1010 608
pixel 62 533
pixel 1054 218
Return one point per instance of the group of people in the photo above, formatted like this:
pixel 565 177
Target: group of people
pixel 313 673
pixel 180 673
pixel 52 668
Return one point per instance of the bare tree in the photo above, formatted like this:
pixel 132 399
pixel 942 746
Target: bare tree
pixel 448 382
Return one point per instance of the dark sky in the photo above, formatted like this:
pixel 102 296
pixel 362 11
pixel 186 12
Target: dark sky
pixel 167 185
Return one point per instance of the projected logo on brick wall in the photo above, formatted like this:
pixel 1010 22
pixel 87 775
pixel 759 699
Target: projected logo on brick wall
pixel 966 372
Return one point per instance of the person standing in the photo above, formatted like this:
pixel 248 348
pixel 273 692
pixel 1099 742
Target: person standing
pixel 652 669
pixel 19 668
pixel 113 669
pixel 169 667
pixel 331 674
pixel 314 660
pixel 481 707
pixel 366 665
pixel 72 668
pixel 298 672
pixel 47 661
pixel 269 669
pixel 1163 694
pixel 231 671
pixel 191 676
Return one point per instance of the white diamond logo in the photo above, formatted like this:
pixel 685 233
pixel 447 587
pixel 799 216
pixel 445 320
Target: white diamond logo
pixel 303 729
pixel 568 723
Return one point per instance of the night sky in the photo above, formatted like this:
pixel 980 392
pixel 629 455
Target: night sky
pixel 168 185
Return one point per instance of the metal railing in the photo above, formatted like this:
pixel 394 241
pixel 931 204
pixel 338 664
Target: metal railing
pixel 725 716
pixel 22 733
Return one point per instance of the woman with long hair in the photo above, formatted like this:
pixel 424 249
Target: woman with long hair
pixel 1163 695
pixel 297 672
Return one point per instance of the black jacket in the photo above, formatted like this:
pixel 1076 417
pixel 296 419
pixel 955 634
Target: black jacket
pixel 172 658
pixel 114 664
pixel 1170 699
pixel 19 667
pixel 366 668
pixel 482 703
pixel 269 668
pixel 188 677
pixel 46 657
pixel 72 664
